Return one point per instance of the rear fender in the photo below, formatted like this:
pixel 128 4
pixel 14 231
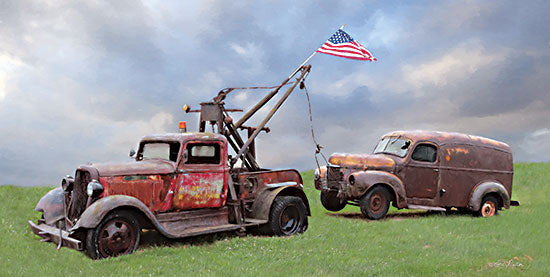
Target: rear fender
pixel 485 188
pixel 51 205
pixel 364 180
pixel 93 215
pixel 264 200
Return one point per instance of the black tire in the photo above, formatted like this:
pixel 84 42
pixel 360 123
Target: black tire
pixel 331 202
pixel 375 204
pixel 117 234
pixel 288 216
pixel 489 207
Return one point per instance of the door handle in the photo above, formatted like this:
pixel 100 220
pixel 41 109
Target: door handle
pixel 436 169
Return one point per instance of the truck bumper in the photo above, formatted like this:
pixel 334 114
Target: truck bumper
pixel 53 234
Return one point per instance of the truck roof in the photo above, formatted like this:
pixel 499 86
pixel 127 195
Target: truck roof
pixel 450 137
pixel 183 136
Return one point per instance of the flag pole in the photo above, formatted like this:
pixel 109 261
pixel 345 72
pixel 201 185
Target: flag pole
pixel 311 56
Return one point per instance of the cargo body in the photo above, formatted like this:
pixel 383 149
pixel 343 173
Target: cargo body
pixel 421 170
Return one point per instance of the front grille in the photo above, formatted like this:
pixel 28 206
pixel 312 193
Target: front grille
pixel 334 176
pixel 78 195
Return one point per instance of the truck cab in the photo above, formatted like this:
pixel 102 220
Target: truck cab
pixel 421 170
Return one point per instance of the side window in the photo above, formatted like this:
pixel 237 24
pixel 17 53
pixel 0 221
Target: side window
pixel 203 153
pixel 425 153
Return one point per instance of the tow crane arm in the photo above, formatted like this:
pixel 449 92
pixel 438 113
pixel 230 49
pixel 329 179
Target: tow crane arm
pixel 217 115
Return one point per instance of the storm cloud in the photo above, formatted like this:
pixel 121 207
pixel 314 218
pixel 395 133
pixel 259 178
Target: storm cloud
pixel 83 81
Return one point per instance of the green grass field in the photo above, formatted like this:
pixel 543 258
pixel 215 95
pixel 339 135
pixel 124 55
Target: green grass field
pixel 515 242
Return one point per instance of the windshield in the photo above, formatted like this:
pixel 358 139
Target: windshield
pixel 393 145
pixel 159 150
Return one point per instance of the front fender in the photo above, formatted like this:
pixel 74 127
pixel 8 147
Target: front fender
pixel 51 205
pixel 93 215
pixel 485 188
pixel 264 200
pixel 363 180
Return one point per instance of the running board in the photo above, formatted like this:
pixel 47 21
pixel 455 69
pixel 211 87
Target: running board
pixel 428 208
pixel 203 230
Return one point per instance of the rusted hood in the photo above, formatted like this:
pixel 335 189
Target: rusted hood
pixel 135 168
pixel 365 161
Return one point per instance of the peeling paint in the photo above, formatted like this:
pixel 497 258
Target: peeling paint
pixel 199 190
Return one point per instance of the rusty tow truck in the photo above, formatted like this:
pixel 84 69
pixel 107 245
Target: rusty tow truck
pixel 421 170
pixel 181 184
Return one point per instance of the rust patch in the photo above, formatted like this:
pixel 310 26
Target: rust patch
pixel 199 190
pixel 361 160
pixel 149 189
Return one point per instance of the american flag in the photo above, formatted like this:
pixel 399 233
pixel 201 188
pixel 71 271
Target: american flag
pixel 343 45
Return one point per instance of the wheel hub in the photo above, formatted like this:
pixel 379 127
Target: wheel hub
pixel 488 209
pixel 376 202
pixel 289 219
pixel 116 238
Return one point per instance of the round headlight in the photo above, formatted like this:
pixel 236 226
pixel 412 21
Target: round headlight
pixel 67 183
pixel 94 188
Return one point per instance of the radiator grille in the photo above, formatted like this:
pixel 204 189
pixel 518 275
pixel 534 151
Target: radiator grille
pixel 78 195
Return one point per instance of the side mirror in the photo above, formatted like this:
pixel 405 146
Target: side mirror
pixel 406 145
pixel 132 153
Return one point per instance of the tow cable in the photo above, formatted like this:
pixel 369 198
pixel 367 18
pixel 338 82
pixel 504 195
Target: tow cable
pixel 318 147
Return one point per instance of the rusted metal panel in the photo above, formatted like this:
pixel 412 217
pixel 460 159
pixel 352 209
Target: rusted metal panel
pixel 199 190
pixel 263 186
pixel 51 205
pixel 93 215
pixel 136 168
pixel 364 161
pixel 149 189
pixel 485 188
pixel 273 176
pixel 421 179
pixel 177 223
pixel 363 180
pixel 449 137
pixel 264 199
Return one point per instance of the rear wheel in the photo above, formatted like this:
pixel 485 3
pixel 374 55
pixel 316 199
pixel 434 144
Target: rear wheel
pixel 489 206
pixel 375 204
pixel 117 234
pixel 288 216
pixel 331 202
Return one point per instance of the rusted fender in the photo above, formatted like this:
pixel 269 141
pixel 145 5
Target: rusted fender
pixel 363 180
pixel 485 188
pixel 365 161
pixel 264 200
pixel 93 215
pixel 51 205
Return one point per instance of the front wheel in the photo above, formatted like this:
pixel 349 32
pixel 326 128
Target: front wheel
pixel 489 207
pixel 331 202
pixel 288 216
pixel 117 234
pixel 375 204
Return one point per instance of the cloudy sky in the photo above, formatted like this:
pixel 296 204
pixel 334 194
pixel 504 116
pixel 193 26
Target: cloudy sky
pixel 83 81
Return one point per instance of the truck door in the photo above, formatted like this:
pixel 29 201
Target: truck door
pixel 421 173
pixel 201 179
